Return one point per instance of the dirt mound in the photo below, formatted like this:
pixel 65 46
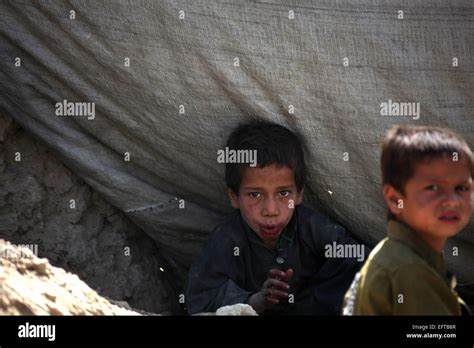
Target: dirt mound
pixel 31 286
pixel 90 238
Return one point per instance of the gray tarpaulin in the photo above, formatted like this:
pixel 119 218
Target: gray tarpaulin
pixel 170 79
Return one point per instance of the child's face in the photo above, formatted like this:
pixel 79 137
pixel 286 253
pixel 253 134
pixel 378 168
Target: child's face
pixel 437 200
pixel 264 200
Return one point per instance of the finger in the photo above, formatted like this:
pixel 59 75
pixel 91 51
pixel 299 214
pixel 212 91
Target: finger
pixel 276 273
pixel 277 284
pixel 271 293
pixel 288 274
pixel 271 300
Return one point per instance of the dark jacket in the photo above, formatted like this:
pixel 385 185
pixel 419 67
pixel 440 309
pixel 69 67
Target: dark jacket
pixel 234 264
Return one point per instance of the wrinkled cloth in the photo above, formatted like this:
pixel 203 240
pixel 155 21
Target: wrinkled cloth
pixel 235 263
pixel 170 79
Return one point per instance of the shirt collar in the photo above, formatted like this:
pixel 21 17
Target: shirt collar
pixel 404 234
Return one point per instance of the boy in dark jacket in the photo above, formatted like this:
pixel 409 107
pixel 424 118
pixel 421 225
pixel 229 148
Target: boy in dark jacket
pixel 272 253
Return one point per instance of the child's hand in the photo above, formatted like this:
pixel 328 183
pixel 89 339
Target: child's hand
pixel 273 289
pixel 280 275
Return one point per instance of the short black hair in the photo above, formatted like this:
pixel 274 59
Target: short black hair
pixel 406 146
pixel 274 144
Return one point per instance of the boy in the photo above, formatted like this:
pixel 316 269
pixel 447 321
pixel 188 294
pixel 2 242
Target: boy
pixel 270 253
pixel 427 177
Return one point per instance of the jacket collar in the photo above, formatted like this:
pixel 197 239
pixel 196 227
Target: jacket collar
pixel 404 234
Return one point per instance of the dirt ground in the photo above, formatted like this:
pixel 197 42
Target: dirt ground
pixel 31 286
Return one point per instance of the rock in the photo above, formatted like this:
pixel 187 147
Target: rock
pixel 8 221
pixel 31 286
pixel 40 265
pixel 237 309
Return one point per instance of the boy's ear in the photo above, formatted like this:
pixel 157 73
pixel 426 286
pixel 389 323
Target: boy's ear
pixel 393 199
pixel 233 198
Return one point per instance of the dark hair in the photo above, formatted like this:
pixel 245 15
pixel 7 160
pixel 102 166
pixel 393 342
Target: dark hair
pixel 274 144
pixel 406 146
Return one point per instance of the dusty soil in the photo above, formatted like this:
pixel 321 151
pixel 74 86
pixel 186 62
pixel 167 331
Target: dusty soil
pixel 31 286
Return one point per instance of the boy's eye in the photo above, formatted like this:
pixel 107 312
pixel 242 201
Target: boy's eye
pixel 432 188
pixel 254 194
pixel 284 193
pixel 463 188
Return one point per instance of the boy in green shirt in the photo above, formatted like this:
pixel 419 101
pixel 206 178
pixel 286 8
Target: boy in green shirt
pixel 427 176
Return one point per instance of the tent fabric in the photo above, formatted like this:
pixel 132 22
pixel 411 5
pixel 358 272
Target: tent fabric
pixel 170 79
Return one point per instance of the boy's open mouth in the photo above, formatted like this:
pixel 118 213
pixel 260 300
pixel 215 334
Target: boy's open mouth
pixel 450 217
pixel 270 231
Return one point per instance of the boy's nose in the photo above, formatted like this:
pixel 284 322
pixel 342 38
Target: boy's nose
pixel 451 199
pixel 270 207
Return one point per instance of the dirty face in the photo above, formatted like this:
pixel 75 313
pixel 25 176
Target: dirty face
pixel 266 199
pixel 437 200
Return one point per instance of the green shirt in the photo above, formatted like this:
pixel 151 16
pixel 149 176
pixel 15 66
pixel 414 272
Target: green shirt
pixel 403 276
